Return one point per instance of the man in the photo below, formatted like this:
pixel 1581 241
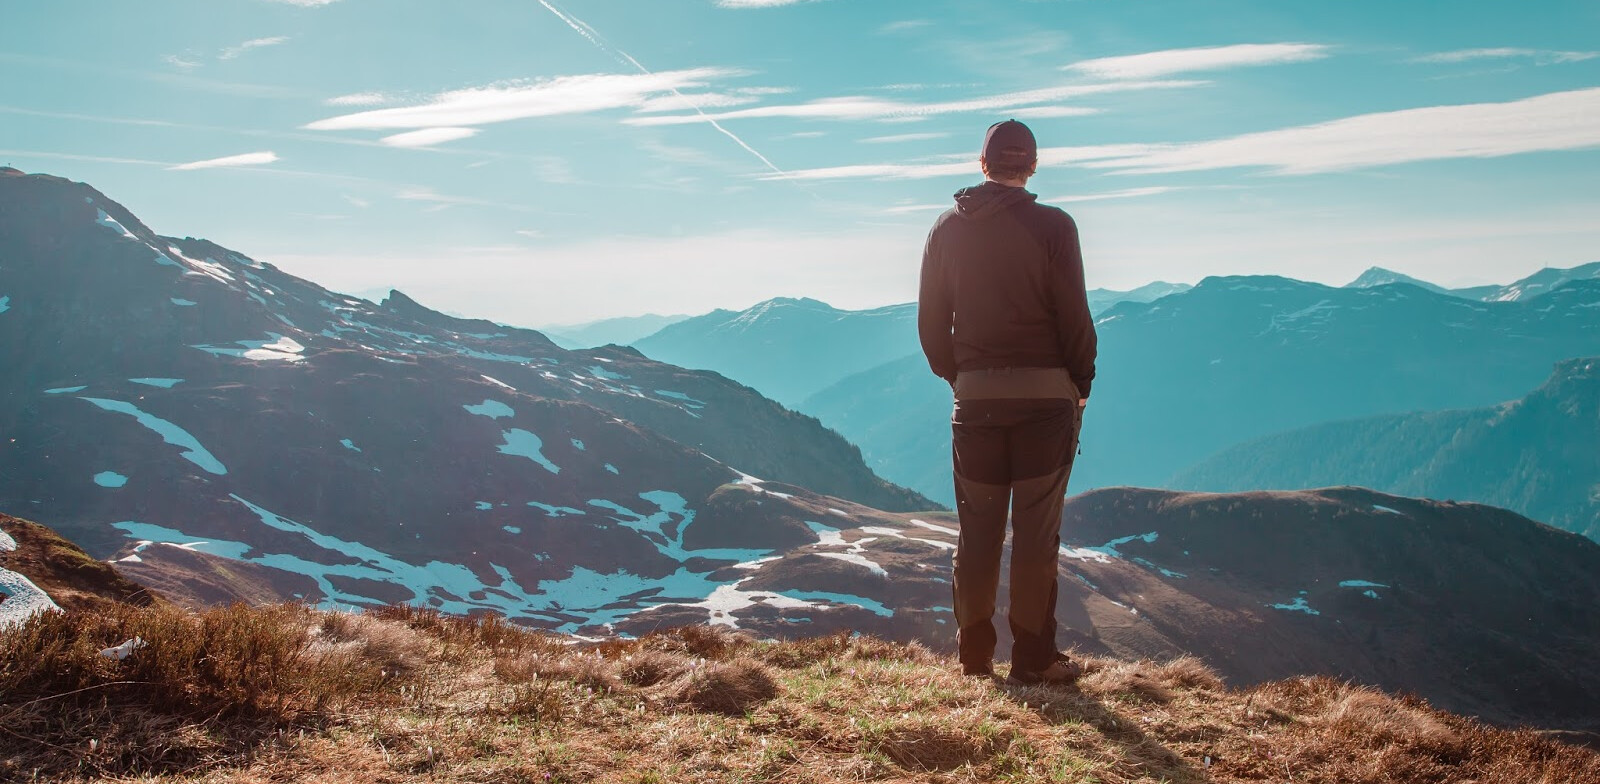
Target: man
pixel 1003 316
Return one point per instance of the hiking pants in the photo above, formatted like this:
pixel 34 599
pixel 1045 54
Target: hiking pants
pixel 1015 432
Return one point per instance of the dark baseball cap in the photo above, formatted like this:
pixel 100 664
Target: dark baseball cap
pixel 1011 143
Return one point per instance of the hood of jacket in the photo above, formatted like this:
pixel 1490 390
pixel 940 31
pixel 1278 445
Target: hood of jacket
pixel 982 201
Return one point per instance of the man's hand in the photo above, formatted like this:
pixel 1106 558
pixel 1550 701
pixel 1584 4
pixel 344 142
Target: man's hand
pixel 1083 402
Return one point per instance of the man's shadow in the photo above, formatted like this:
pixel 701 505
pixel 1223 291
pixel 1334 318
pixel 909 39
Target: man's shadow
pixel 1141 753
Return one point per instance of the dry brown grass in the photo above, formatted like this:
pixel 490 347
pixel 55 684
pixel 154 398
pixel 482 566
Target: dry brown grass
pixel 404 695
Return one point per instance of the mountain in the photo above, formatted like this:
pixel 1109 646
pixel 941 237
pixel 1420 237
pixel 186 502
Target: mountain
pixel 786 348
pixel 172 390
pixel 792 349
pixel 1378 276
pixel 1101 299
pixel 1542 282
pixel 1536 455
pixel 1238 358
pixel 605 332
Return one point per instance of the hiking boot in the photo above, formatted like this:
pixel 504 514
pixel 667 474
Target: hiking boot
pixel 978 670
pixel 1061 672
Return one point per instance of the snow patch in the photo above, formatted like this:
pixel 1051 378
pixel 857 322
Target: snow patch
pixel 612 469
pixel 186 303
pixel 492 409
pixel 1298 605
pixel 498 382
pixel 169 432
pixel 110 479
pixel 164 383
pixel 511 529
pixel 5 304
pixel 521 443
pixel 483 506
pixel 940 528
pixel 858 560
pixel 1387 510
pixel 64 390
pixel 107 222
pixel 348 444
pixel 555 511
pixel 1360 584
pixel 279 349
pixel 578 445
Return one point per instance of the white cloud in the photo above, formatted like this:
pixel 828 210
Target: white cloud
pixel 678 103
pixel 1128 193
pixel 178 62
pixel 355 201
pixel 307 3
pixel 1554 121
pixel 857 107
pixel 1045 112
pixel 903 137
pixel 1205 58
pixel 246 159
pixel 357 99
pixel 428 137
pixel 964 165
pixel 254 43
pixel 1542 56
pixel 549 97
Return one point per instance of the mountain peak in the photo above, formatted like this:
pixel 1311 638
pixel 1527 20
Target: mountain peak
pixel 1378 276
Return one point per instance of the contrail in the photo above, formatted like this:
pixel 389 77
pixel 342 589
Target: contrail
pixel 594 37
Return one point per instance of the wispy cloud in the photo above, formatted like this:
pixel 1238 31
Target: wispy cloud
pixel 254 43
pixel 440 201
pixel 1128 193
pixel 903 137
pixel 905 25
pixel 428 137
pixel 1551 122
pixel 357 99
pixel 758 3
pixel 544 98
pixel 966 164
pixel 1539 56
pixel 246 159
pixel 307 3
pixel 857 107
pixel 1554 121
pixel 1205 58
pixel 179 62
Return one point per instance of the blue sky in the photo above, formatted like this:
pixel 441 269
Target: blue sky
pixel 555 161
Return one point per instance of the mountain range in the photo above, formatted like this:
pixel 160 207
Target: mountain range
pixel 1537 455
pixel 791 349
pixel 221 430
pixel 171 390
pixel 1231 360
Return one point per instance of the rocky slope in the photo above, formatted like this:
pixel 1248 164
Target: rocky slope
pixel 171 390
pixel 1536 455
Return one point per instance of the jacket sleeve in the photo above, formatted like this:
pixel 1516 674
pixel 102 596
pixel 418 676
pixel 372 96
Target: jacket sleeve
pixel 936 313
pixel 1074 324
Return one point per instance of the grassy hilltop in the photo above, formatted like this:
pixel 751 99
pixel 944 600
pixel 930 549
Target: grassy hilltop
pixel 286 693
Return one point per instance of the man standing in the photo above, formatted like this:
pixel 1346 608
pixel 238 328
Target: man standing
pixel 1003 316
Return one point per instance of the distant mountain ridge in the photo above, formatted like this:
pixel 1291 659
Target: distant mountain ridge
pixel 612 331
pixel 1541 282
pixel 792 348
pixel 1538 455
pixel 1238 358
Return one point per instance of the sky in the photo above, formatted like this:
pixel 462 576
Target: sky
pixel 543 162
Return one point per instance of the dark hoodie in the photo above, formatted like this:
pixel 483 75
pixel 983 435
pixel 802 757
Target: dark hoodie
pixel 1002 286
